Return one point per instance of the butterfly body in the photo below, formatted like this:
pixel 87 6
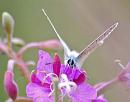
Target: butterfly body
pixel 71 59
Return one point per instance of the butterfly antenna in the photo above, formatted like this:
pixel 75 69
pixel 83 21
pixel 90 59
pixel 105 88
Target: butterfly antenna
pixel 51 23
pixel 62 42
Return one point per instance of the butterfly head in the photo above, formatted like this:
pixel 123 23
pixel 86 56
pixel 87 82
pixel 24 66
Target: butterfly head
pixel 71 62
pixel 71 59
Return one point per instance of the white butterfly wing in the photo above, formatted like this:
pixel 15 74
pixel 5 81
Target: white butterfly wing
pixel 95 44
pixel 66 48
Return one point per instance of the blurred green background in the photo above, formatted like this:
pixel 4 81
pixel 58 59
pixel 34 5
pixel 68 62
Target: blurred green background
pixel 79 22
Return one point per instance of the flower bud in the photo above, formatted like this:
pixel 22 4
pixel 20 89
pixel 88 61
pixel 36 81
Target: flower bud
pixel 7 23
pixel 51 44
pixel 8 26
pixel 10 85
pixel 16 41
pixel 56 64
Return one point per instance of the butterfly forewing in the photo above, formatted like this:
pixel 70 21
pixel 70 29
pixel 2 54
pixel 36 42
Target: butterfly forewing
pixel 95 44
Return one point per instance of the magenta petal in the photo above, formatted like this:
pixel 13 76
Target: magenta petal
pixel 128 65
pixel 83 93
pixel 44 62
pixel 66 70
pixel 80 79
pixel 34 79
pixel 56 65
pixel 73 74
pixel 38 93
pixel 127 68
pixel 127 75
pixel 42 77
pixel 100 99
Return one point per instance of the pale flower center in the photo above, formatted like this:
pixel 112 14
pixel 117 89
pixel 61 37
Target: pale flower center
pixel 67 85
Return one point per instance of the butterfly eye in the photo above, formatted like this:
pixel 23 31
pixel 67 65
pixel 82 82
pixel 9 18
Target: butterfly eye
pixel 71 63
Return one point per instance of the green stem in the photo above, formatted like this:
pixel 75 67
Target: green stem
pixel 9 43
pixel 56 92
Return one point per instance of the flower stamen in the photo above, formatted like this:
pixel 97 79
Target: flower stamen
pixel 51 75
pixel 119 63
pixel 66 84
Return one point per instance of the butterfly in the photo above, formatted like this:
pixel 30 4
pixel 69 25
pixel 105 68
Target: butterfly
pixel 72 57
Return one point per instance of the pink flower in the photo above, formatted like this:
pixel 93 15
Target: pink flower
pixel 71 81
pixel 124 75
pixel 100 99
